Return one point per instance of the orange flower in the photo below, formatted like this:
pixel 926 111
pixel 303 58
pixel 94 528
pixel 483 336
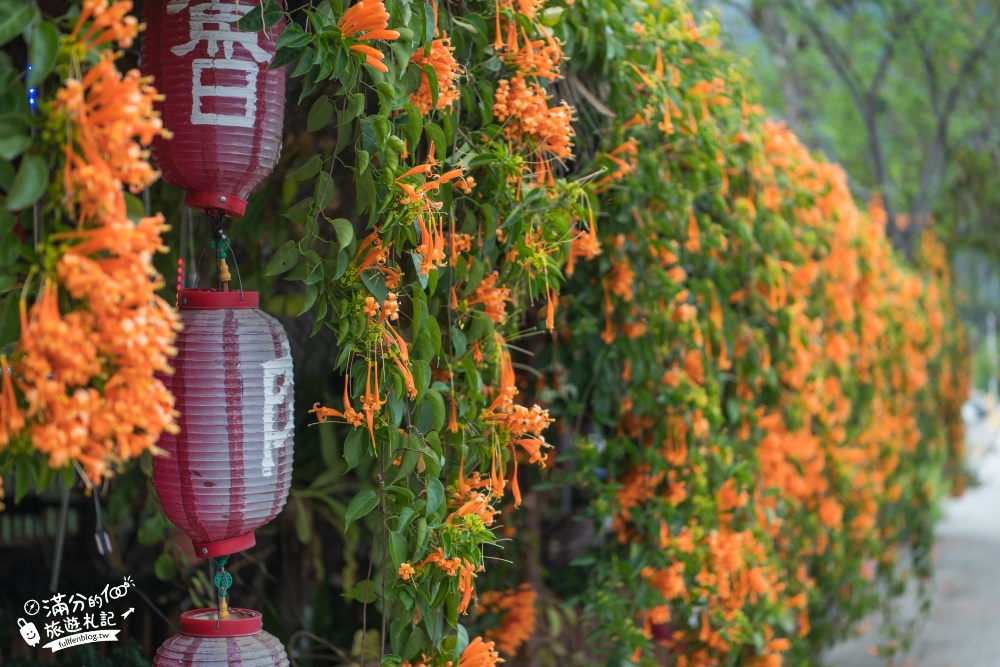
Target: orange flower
pixel 447 70
pixel 390 308
pixel 540 58
pixel 479 505
pixel 527 117
pixel 368 20
pixel 109 23
pixel 494 299
pixel 431 248
pixel 406 571
pixel 116 334
pixel 348 415
pixel 517 624
pixel 479 654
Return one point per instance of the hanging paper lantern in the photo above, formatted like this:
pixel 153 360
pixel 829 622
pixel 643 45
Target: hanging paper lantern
pixel 222 104
pixel 238 641
pixel 229 468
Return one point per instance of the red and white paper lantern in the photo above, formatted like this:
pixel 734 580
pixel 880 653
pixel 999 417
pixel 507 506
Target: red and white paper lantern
pixel 222 104
pixel 229 468
pixel 238 641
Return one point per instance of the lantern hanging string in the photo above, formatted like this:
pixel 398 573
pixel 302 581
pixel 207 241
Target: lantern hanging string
pixel 220 243
pixel 223 580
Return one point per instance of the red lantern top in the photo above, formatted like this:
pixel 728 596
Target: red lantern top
pixel 222 104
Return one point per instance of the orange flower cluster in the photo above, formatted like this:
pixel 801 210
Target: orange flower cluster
pixel 493 299
pixel 817 462
pixel 585 244
pixel 104 23
pixel 447 70
pixel 478 505
pixel 540 58
pixel 463 569
pixel 368 20
pixel 523 426
pixel 417 196
pixel 349 414
pixel 478 653
pixel 524 109
pixel 87 374
pixel 625 165
pixel 517 623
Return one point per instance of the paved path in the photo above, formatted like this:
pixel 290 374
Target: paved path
pixel 963 629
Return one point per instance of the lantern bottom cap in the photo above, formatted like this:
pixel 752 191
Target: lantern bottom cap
pixel 224 547
pixel 205 200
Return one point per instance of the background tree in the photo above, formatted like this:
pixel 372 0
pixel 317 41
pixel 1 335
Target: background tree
pixel 909 74
pixel 900 93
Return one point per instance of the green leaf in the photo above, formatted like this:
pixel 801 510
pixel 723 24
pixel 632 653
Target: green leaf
pixel 402 55
pixel 24 477
pixel 285 55
pixel 151 531
pixel 42 52
pixel 437 408
pixel 435 496
pixel 383 128
pixel 14 24
pixel 405 517
pixel 345 231
pixel 355 105
pixel 303 522
pixel 432 81
pixel 375 282
pixel 14 136
pixel 461 641
pixel 324 190
pixel 308 170
pixel 421 371
pixel 310 298
pixel 300 212
pixel 419 317
pixel 364 161
pixel 356 447
pixel 305 62
pixel 285 257
pixel 164 567
pixel 293 37
pixel 415 643
pixel 135 209
pixel 397 548
pixel 416 123
pixel 262 16
pixel 320 114
pixel 363 591
pixel 551 16
pixel 436 134
pixel 361 505
pixel 29 184
pixel 386 97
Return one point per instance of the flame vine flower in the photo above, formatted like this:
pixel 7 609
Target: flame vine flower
pixel 92 342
